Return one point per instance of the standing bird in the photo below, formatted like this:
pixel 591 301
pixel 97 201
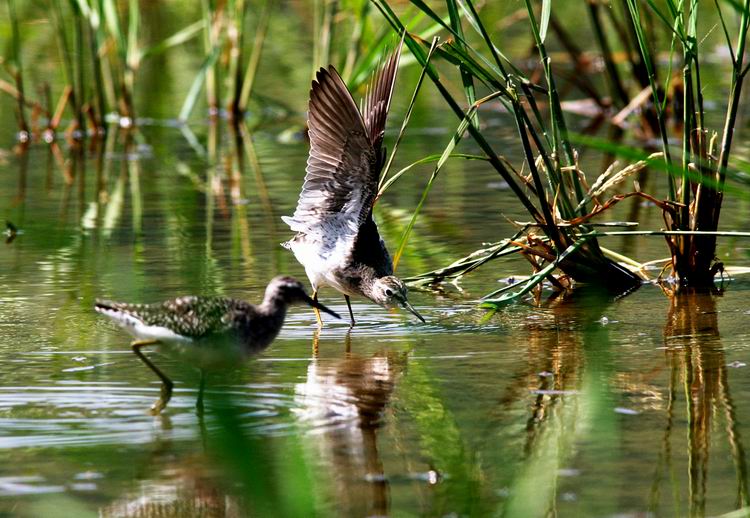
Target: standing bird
pixel 209 330
pixel 337 240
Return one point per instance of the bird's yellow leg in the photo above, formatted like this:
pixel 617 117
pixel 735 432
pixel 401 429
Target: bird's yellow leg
pixel 317 311
pixel 315 343
pixel 349 305
pixel 166 383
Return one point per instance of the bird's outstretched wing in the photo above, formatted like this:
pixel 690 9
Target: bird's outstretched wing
pixel 378 100
pixel 345 156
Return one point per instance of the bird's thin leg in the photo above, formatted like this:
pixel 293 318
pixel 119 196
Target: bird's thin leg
pixel 201 387
pixel 166 383
pixel 317 311
pixel 349 305
pixel 315 343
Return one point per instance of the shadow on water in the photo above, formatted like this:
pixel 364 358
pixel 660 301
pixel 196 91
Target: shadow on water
pixel 344 401
pixel 575 431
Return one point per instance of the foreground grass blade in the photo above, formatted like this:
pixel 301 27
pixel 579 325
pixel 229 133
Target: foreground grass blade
pixel 466 77
pixel 178 38
pixel 425 160
pixel 252 65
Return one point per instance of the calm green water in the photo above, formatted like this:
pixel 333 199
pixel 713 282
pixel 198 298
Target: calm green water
pixel 584 405
pixel 580 406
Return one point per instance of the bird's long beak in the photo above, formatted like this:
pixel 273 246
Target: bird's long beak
pixel 409 307
pixel 321 307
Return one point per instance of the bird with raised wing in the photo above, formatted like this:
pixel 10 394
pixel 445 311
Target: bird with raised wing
pixel 337 240
pixel 208 330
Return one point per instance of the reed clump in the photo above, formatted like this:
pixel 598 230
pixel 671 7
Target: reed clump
pixel 553 189
pixel 698 170
pixel 101 52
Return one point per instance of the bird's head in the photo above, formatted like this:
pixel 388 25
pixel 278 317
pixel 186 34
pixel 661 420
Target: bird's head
pixel 390 291
pixel 291 291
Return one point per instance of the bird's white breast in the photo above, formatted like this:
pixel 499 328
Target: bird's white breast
pixel 321 259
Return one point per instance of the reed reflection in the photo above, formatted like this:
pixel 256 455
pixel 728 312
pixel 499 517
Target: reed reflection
pixel 696 359
pixel 558 381
pixel 344 400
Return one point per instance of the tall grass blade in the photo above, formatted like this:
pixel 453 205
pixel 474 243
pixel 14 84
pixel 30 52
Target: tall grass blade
pixel 471 262
pixel 355 41
pixel 492 157
pixel 457 136
pixel 635 155
pixel 492 301
pixel 195 88
pixel 645 51
pixel 544 23
pixel 252 65
pixel 424 160
pixel 466 77
pixel 382 185
pixel 18 72
pixel 178 38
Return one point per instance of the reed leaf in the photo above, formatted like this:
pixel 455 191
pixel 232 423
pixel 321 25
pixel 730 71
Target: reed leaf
pixel 457 136
pixel 252 66
pixel 382 185
pixel 635 155
pixel 178 38
pixel 471 262
pixel 17 64
pixel 544 23
pixel 425 160
pixel 197 84
pixel 421 56
pixel 466 76
pixel 635 18
pixel 491 300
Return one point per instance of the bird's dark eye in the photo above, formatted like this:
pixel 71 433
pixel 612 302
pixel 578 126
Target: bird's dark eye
pixel 388 292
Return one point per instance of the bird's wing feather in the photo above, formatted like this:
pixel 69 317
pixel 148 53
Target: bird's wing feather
pixel 378 100
pixel 345 158
pixel 338 187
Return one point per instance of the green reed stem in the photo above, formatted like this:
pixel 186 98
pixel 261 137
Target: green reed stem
pixel 466 77
pixel 18 72
pixel 252 66
pixel 457 136
pixel 492 157
pixel 635 17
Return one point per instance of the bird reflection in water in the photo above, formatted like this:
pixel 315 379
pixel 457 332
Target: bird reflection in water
pixel 178 484
pixel 344 400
